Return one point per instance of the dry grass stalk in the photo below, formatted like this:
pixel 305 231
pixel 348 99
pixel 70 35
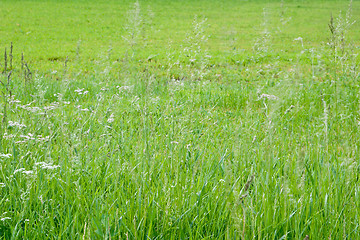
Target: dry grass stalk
pixel 5 61
pixel 11 55
pixel 246 188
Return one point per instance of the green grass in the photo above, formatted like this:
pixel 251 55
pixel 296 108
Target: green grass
pixel 190 129
pixel 49 31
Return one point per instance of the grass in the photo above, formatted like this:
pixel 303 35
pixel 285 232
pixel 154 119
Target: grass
pixel 46 41
pixel 206 132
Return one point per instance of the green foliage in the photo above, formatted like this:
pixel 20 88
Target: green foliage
pixel 215 134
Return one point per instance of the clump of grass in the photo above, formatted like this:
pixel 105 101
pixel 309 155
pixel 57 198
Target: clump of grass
pixel 133 26
pixel 262 43
pixel 342 52
pixel 138 26
pixel 192 62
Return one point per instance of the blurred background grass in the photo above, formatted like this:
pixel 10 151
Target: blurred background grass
pixel 49 31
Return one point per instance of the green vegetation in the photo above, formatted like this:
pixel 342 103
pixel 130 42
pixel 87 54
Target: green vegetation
pixel 179 120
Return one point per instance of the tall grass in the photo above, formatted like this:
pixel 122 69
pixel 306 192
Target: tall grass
pixel 159 153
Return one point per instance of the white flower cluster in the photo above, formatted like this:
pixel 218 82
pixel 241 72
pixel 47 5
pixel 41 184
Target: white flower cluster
pixel 3 155
pixel 16 124
pixel 30 136
pixel 81 91
pixel 23 170
pixel 45 165
pixel 42 165
pixel 82 109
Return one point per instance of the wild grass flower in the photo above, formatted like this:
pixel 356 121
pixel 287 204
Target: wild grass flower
pixel 262 43
pixel 342 53
pixel 29 172
pixel 29 136
pixel 19 170
pixel 46 166
pixel 7 155
pixel 81 91
pixel 289 109
pixel 300 39
pixel 53 106
pixel 193 58
pixel 268 96
pixel 24 171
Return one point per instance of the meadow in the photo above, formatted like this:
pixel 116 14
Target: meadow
pixel 179 119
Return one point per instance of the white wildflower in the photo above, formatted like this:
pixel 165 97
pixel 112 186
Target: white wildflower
pixel 300 39
pixel 3 155
pixel 16 124
pixel 79 91
pixel 45 165
pixel 28 137
pixel 33 109
pixel 28 172
pixel 19 170
pixel 13 100
pixel 8 136
pixel 52 106
pixel 41 138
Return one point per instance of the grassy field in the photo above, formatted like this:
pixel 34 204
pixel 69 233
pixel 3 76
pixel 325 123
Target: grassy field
pixel 179 119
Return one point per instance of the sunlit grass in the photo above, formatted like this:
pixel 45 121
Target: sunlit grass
pixel 185 144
